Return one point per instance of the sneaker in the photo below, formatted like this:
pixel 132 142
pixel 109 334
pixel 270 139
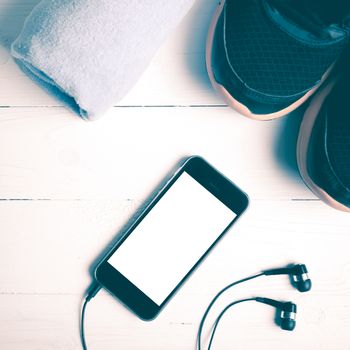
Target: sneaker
pixel 266 57
pixel 323 149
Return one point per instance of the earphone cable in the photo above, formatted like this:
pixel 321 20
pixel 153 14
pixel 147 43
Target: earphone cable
pixel 216 323
pixel 93 290
pixel 200 329
pixel 82 319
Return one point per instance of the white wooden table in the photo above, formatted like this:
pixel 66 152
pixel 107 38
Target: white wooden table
pixel 68 186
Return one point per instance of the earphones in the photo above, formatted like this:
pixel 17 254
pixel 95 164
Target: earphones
pixel 287 310
pixel 298 275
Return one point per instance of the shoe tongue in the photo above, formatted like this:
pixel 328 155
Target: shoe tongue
pixel 313 15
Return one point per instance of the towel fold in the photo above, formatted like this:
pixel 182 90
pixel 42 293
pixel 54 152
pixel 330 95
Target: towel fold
pixel 89 53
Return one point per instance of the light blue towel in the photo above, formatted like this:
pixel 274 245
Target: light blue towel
pixel 89 53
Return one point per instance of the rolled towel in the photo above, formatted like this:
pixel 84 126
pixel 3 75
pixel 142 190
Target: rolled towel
pixel 89 53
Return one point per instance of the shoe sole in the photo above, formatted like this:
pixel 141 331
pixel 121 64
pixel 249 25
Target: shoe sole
pixel 227 97
pixel 304 137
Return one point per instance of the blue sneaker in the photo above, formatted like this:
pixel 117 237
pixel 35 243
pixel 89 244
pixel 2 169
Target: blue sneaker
pixel 323 148
pixel 266 57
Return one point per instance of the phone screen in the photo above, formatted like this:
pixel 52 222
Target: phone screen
pixel 171 238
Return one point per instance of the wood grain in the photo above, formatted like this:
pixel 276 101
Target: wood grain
pixel 68 187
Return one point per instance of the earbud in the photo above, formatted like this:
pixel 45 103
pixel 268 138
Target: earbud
pixel 297 272
pixel 287 310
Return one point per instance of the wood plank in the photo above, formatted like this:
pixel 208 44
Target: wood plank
pixel 51 322
pixel 67 187
pixel 50 246
pixel 50 153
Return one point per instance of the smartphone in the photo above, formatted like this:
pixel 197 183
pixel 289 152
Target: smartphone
pixel 170 237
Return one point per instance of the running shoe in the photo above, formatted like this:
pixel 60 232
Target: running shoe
pixel 266 57
pixel 323 149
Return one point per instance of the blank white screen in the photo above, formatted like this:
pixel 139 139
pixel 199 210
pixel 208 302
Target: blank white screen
pixel 171 238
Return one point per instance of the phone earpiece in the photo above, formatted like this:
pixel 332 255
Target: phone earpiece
pixel 298 274
pixel 287 311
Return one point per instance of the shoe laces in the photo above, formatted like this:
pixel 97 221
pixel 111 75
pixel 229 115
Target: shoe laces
pixel 311 15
